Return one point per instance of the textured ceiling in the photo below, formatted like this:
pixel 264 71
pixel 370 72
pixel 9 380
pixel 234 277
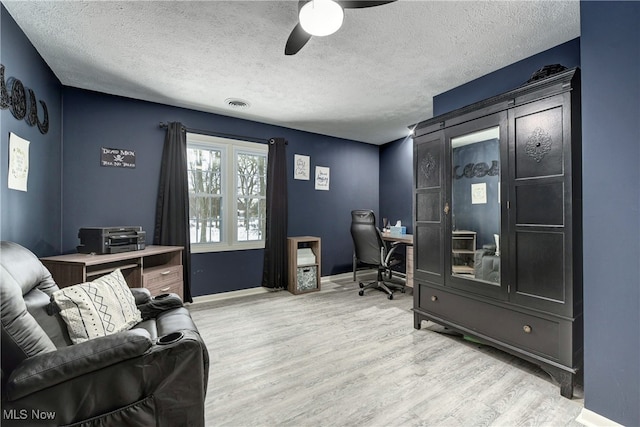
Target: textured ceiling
pixel 367 82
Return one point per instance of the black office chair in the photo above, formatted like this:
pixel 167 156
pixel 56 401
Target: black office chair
pixel 372 251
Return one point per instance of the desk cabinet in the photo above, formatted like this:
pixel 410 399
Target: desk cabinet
pixel 409 266
pixel 157 268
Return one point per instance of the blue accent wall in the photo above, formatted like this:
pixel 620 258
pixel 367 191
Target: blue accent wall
pixel 396 182
pixel 610 55
pixel 507 78
pixel 31 218
pixel 106 196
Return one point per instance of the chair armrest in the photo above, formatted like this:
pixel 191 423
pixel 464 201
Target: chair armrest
pixel 142 295
pixel 159 304
pixel 48 369
pixel 387 259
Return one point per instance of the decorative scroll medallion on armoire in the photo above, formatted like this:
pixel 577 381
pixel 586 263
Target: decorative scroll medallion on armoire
pixel 497 223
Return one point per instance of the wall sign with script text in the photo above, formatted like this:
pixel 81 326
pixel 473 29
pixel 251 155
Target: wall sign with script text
pixel 117 158
pixel 22 102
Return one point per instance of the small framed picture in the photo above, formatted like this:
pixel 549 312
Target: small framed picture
pixel 322 178
pixel 301 167
pixel 479 193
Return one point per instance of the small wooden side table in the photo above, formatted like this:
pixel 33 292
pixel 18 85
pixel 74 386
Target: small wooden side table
pixel 304 277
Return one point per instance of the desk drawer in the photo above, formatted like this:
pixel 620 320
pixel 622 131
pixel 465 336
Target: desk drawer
pixel 522 330
pixel 163 279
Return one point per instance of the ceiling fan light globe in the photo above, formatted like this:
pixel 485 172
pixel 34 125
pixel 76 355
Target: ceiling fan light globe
pixel 321 17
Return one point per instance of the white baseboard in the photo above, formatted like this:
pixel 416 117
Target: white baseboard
pixel 231 294
pixel 593 419
pixel 258 290
pixel 340 276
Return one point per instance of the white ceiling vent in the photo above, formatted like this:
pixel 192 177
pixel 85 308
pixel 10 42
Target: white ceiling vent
pixel 236 103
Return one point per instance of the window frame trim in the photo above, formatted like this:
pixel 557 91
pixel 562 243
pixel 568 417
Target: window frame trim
pixel 229 148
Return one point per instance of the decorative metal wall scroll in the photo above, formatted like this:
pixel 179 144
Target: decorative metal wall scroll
pixel 22 102
pixel 477 170
pixel 538 144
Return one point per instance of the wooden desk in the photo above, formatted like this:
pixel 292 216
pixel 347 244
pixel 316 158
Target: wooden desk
pixel 406 239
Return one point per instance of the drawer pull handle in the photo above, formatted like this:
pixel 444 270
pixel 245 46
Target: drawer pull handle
pixel 526 329
pixel 434 298
pixel 165 289
pixel 164 273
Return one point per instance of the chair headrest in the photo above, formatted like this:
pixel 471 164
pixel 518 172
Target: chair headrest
pixel 24 267
pixel 20 273
pixel 362 216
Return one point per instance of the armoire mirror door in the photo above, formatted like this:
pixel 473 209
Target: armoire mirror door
pixel 475 209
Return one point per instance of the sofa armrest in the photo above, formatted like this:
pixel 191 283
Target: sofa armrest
pixel 49 369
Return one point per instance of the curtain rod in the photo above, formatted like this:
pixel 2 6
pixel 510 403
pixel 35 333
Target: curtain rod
pixel 219 134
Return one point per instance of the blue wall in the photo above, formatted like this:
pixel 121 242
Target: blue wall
pixel 611 153
pixel 97 196
pixel 31 218
pixel 507 78
pixel 396 182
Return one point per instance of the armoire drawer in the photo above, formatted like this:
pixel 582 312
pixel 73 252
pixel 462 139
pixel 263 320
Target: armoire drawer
pixel 532 333
pixel 163 279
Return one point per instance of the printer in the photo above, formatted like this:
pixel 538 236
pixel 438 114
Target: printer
pixel 111 240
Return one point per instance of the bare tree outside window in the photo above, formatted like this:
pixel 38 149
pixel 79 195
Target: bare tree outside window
pixel 205 195
pixel 251 196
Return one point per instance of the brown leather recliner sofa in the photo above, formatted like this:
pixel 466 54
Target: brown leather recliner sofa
pixel 154 374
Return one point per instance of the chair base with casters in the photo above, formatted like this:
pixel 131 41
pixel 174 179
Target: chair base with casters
pixel 382 285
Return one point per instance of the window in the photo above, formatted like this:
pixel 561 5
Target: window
pixel 227 193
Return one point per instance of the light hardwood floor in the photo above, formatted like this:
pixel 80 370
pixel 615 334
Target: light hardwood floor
pixel 333 358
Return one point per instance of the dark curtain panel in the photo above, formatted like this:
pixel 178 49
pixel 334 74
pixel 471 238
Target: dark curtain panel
pixel 172 206
pixel 274 273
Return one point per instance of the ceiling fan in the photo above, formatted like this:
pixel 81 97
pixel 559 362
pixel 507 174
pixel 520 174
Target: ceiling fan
pixel 321 18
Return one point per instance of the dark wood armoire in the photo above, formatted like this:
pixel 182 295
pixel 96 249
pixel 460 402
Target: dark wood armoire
pixel 497 223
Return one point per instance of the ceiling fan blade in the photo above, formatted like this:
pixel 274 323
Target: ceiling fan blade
pixel 297 39
pixel 357 4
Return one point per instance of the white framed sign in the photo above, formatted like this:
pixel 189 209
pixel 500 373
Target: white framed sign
pixel 18 163
pixel 322 178
pixel 479 193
